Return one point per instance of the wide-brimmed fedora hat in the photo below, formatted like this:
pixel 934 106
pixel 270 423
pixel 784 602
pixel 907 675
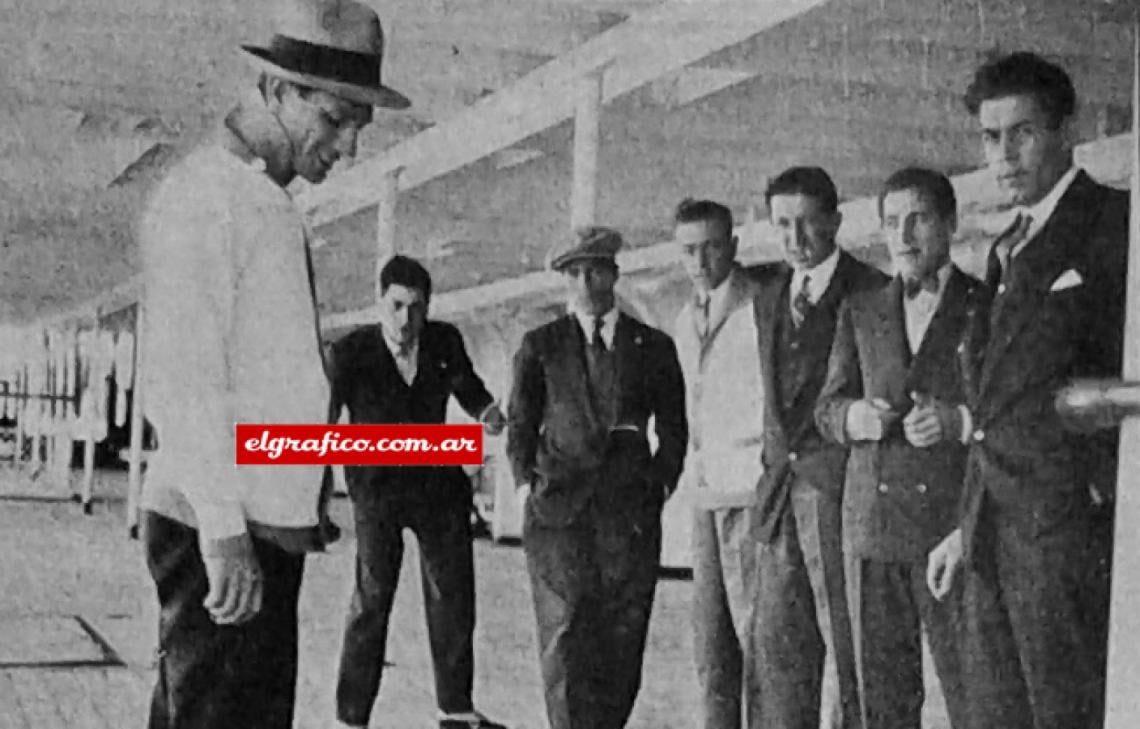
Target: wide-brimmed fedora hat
pixel 332 45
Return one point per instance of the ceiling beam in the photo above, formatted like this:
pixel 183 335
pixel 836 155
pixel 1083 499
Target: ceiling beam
pixel 1105 159
pixel 632 53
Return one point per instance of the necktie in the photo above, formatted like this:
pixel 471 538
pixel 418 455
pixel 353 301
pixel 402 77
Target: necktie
pixel 1009 240
pixel 596 341
pixel 701 315
pixel 801 304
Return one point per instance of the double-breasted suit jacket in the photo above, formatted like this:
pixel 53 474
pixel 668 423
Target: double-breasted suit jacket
pixel 899 501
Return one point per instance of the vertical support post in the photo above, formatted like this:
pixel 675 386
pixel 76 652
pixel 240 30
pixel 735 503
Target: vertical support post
pixel 1123 702
pixel 386 245
pixel 587 138
pixel 134 456
pixel 21 412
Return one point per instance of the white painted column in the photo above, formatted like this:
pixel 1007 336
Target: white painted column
pixel 134 456
pixel 1123 700
pixel 386 245
pixel 587 139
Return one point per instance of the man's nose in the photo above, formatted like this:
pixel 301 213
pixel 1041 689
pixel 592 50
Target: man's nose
pixel 346 142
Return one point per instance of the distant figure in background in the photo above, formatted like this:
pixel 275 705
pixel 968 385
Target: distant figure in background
pixel 1035 537
pixel 231 337
pixel 894 395
pixel 585 386
pixel 405 370
pixel 716 339
pixel 805 630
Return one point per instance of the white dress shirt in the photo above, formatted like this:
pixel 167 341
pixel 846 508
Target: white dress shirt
pixel 920 310
pixel 1042 210
pixel 819 278
pixel 407 358
pixel 609 324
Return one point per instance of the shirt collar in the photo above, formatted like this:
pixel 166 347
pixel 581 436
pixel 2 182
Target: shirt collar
pixel 394 347
pixel 820 277
pixel 943 276
pixel 718 295
pixel 253 106
pixel 609 325
pixel 1042 210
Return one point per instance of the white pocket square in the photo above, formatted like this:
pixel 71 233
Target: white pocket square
pixel 1067 280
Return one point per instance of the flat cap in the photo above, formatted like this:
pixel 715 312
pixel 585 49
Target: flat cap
pixel 594 242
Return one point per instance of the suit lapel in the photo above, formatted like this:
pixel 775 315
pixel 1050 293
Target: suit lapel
pixel 575 374
pixel 767 307
pixel 836 289
pixel 947 317
pixel 626 345
pixel 1036 266
pixel 890 341
pixel 737 294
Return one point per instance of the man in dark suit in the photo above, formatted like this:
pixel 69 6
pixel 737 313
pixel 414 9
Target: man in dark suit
pixel 585 387
pixel 799 494
pixel 404 371
pixel 894 396
pixel 1036 530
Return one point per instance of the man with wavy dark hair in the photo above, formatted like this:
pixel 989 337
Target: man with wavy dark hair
pixel 1035 533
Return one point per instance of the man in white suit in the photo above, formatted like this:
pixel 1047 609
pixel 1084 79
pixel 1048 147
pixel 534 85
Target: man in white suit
pixel 717 345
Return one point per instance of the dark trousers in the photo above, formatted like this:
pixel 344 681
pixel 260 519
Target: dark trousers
pixel 1035 616
pixel 593 584
pixel 819 534
pixel 443 529
pixel 221 677
pixel 891 606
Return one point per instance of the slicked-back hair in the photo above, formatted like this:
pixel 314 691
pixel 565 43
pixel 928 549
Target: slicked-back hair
pixel 407 272
pixel 932 185
pixel 1024 73
pixel 811 182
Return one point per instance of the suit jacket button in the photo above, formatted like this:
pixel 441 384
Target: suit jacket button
pixel 793 456
pixel 979 435
pixel 883 488
pixel 1001 289
pixel 921 488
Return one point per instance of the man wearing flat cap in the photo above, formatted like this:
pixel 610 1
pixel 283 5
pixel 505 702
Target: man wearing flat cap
pixel 585 387
pixel 232 337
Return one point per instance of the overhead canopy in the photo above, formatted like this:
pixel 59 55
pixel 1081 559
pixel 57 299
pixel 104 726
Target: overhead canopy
pixel 703 99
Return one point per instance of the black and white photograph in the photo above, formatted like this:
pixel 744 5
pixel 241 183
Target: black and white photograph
pixel 569 364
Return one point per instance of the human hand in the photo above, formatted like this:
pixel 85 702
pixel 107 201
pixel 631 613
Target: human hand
pixel 235 585
pixel 494 420
pixel 943 565
pixel 931 421
pixel 867 420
